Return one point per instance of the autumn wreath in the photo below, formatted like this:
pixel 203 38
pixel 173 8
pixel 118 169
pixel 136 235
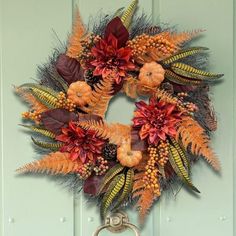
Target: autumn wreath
pixel 119 163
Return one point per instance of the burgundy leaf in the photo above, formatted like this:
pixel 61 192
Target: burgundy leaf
pixel 183 88
pixel 54 120
pixel 92 183
pixel 117 87
pixel 117 28
pixel 136 143
pixel 69 69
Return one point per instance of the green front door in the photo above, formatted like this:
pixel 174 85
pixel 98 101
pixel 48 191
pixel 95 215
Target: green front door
pixel 36 206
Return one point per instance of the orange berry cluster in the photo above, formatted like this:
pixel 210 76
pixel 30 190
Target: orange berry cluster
pixel 163 152
pixel 99 168
pixel 182 95
pixel 64 102
pixel 32 115
pixel 151 172
pixel 143 43
pixel 191 106
pixel 87 43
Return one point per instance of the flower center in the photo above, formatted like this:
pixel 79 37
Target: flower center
pixel 157 121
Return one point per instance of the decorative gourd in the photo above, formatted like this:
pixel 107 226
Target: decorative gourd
pixel 151 75
pixel 79 93
pixel 126 156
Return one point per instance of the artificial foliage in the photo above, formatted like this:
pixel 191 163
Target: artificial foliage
pixel 121 165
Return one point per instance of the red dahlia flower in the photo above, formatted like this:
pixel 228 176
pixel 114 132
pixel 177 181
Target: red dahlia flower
pixel 80 143
pixel 156 120
pixel 111 60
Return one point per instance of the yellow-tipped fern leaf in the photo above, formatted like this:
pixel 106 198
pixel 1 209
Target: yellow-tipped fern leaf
pixel 183 53
pixel 170 75
pixel 46 145
pixel 113 190
pixel 115 170
pixel 44 95
pixel 182 153
pixel 128 14
pixel 27 96
pixel 191 72
pixel 127 189
pixel 119 12
pixel 177 165
pixel 45 98
pixel 40 87
pixel 40 130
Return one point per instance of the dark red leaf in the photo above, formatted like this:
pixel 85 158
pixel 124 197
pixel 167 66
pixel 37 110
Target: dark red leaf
pixel 117 87
pixel 91 184
pixel 117 28
pixel 183 88
pixel 69 69
pixel 54 120
pixel 136 143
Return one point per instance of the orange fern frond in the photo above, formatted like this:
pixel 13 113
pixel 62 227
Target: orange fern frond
pixel 116 133
pixel 179 38
pixel 194 136
pixel 30 99
pixel 78 33
pixel 100 98
pixel 53 163
pixel 146 196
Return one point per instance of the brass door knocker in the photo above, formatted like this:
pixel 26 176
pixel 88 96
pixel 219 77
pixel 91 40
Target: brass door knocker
pixel 116 223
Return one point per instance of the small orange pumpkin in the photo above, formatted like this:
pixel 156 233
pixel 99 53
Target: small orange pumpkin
pixel 79 93
pixel 151 75
pixel 126 156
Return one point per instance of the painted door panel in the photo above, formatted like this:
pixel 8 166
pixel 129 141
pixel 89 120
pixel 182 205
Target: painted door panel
pixel 30 205
pixel 212 212
pixel 41 207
